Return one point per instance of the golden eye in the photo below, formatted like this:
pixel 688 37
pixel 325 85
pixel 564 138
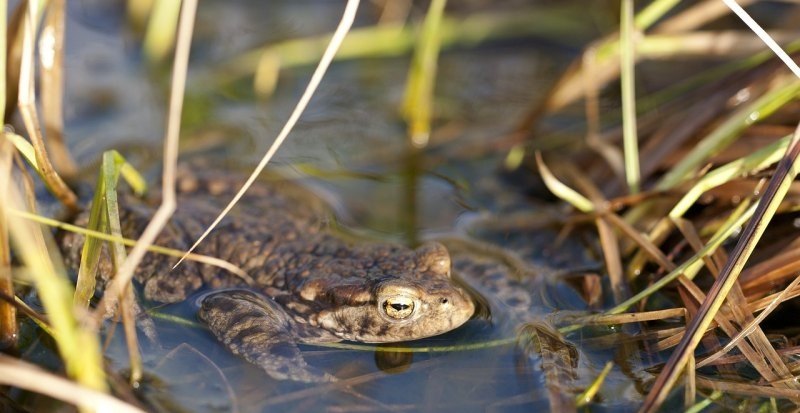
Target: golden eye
pixel 398 307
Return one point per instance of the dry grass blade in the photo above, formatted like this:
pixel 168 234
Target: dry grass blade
pixel 586 397
pixel 749 164
pixel 51 57
pixel 748 389
pixel 19 374
pixel 750 327
pixel 602 319
pixel 609 241
pixel 758 349
pixel 8 314
pixel 168 196
pixel 27 108
pixel 205 259
pixel 696 16
pixel 560 190
pixel 336 41
pixel 691 266
pixel 773 195
pixel 13 56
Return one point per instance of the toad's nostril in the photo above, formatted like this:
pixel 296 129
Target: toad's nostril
pixel 444 300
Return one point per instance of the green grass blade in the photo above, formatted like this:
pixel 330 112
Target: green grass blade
pixel 562 191
pixel 77 344
pixel 690 267
pixel 112 166
pixel 161 29
pixel 727 132
pixel 418 104
pixel 653 12
pixel 92 247
pixel 750 164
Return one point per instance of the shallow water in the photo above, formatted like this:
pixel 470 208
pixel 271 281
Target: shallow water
pixel 350 146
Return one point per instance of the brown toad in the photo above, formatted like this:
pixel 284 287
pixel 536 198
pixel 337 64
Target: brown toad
pixel 309 285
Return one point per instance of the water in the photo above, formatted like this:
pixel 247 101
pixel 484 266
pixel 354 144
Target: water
pixel 351 147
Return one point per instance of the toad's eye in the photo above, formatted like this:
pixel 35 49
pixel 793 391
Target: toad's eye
pixel 399 307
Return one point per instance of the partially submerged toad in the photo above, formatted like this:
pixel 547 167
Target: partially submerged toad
pixel 308 286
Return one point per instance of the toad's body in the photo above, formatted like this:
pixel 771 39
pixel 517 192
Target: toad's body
pixel 307 284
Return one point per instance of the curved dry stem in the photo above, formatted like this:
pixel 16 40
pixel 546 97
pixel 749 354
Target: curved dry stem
pixel 27 108
pixel 316 78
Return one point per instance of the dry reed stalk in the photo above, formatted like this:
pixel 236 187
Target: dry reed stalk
pixel 51 57
pixel 27 108
pixel 8 314
pixel 17 373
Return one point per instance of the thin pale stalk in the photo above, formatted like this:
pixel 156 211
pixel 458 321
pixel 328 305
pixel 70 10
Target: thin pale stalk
pixel 327 57
pixel 17 373
pixel 631 317
pixel 756 28
pixel 168 196
pixel 27 108
pixel 610 153
pixel 773 195
pixel 630 137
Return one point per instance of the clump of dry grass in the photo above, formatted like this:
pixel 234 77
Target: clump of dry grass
pixel 671 239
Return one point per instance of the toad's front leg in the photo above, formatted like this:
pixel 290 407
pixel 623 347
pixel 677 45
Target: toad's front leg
pixel 258 329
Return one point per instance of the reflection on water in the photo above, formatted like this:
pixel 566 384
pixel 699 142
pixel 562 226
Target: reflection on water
pixel 352 134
